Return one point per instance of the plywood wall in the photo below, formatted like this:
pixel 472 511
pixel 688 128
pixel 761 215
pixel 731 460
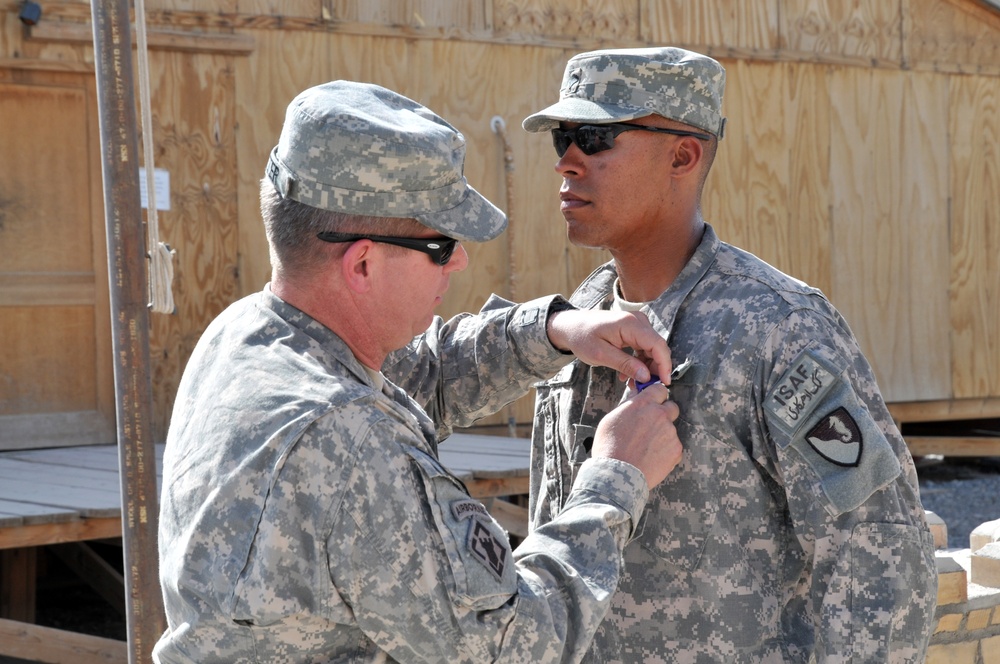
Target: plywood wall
pixel 861 153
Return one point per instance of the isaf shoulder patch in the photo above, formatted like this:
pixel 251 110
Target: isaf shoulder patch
pixel 814 412
pixel 837 438
pixel 800 390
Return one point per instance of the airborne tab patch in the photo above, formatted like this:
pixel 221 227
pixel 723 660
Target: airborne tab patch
pixel 487 548
pixel 465 509
pixel 837 438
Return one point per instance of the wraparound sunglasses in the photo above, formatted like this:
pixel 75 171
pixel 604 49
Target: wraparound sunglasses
pixel 598 138
pixel 439 249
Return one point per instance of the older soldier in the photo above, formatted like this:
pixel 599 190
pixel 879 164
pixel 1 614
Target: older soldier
pixel 305 515
pixel 793 528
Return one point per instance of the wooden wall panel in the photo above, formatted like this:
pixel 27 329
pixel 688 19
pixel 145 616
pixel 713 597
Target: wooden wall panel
pixel 756 216
pixel 283 64
pixel 37 232
pixel 865 180
pixel 768 191
pixel 452 85
pixel 921 370
pixel 974 129
pixel 952 35
pixel 609 21
pixel 55 372
pixel 883 280
pixel 193 98
pixel 45 366
pixel 470 15
pixel 866 29
pixel 832 168
pixel 311 9
pixel 730 23
pixel 807 138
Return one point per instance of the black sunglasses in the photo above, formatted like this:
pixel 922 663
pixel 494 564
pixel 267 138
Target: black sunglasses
pixel 598 138
pixel 439 249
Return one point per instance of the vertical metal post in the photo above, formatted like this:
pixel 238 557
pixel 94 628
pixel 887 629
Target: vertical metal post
pixel 129 322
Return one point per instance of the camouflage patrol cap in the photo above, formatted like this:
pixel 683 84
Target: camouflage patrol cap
pixel 361 149
pixel 616 85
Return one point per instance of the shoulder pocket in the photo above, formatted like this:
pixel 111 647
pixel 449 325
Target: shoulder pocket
pixel 479 553
pixel 814 410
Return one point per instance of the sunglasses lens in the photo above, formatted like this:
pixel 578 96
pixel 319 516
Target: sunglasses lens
pixel 561 139
pixel 589 138
pixel 446 251
pixel 593 139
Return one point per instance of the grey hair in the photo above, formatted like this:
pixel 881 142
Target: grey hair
pixel 291 229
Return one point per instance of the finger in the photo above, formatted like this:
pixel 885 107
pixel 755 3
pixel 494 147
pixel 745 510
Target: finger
pixel 647 343
pixel 633 368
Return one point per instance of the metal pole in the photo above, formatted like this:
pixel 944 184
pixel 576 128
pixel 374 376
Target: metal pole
pixel 129 323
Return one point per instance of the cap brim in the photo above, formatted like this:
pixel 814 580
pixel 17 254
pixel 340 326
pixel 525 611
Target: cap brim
pixel 474 219
pixel 575 109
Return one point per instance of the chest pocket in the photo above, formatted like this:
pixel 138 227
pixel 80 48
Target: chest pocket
pixel 482 564
pixel 682 511
pixel 557 407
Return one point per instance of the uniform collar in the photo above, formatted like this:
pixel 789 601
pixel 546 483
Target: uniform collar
pixel 663 309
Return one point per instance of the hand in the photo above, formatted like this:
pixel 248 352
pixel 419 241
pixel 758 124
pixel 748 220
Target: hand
pixel 597 338
pixel 641 432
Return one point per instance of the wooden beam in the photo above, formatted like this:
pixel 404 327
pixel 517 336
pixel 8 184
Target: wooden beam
pixel 56 646
pixel 945 410
pixel 502 486
pixel 57 533
pixel 38 430
pixel 158 38
pixel 23 289
pixel 513 518
pixel 971 446
pixel 18 572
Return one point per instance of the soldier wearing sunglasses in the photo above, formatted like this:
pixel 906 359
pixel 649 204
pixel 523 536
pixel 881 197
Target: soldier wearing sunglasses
pixel 793 529
pixel 305 516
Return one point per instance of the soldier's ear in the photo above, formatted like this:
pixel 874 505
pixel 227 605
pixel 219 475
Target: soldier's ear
pixel 356 265
pixel 688 154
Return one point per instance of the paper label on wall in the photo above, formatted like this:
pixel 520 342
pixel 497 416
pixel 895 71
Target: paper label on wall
pixel 161 188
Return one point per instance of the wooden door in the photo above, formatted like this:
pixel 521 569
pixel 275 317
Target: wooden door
pixel 55 351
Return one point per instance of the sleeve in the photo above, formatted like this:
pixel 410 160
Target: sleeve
pixel 473 365
pixel 852 493
pixel 430 576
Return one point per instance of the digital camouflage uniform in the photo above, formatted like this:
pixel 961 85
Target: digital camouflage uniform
pixel 793 525
pixel 305 516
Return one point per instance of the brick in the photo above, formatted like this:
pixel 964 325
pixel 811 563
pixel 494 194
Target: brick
pixel 985 533
pixel 991 650
pixel 996 616
pixel 978 619
pixel 950 622
pixel 953 583
pixel 939 529
pixel 953 653
pixel 986 566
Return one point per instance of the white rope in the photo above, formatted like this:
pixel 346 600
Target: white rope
pixel 161 267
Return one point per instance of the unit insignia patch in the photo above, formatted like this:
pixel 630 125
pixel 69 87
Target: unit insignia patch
pixel 837 438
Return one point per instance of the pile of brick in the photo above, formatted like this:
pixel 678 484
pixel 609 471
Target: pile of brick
pixel 968 614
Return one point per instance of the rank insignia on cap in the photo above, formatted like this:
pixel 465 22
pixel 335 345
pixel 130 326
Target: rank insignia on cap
pixel 488 548
pixel 837 438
